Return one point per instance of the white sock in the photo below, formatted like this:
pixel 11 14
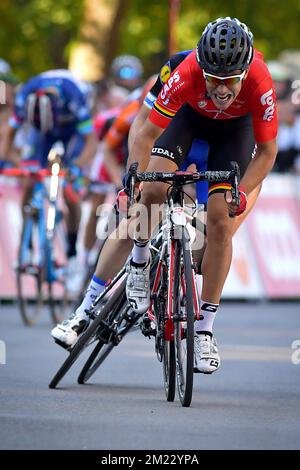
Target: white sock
pixel 95 288
pixel 140 252
pixel 199 285
pixel 209 311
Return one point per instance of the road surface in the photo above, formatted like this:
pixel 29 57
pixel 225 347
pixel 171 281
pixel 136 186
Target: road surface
pixel 252 402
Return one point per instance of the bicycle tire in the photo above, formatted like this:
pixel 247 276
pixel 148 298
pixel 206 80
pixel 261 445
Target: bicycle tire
pixel 184 335
pixel 169 370
pixel 103 349
pixel 30 307
pixel 167 346
pixel 82 341
pixel 29 279
pixel 99 354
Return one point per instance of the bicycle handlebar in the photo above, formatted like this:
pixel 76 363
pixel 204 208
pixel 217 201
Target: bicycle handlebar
pixel 185 177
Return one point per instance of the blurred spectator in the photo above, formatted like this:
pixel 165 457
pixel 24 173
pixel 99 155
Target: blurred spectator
pixel 10 82
pixel 288 143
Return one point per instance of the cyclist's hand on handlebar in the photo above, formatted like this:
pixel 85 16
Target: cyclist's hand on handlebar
pixel 122 200
pixel 233 208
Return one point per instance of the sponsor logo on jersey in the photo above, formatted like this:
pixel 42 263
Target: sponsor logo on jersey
pixel 174 79
pixel 160 151
pixel 165 73
pixel 202 104
pixel 180 150
pixel 267 99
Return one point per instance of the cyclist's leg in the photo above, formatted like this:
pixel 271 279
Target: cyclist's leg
pixel 235 138
pixel 153 196
pixel 251 200
pixel 73 147
pixel 238 141
pixel 198 155
pixel 96 201
pixel 174 144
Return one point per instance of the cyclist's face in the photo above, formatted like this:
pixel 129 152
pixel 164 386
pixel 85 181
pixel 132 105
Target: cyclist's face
pixel 223 93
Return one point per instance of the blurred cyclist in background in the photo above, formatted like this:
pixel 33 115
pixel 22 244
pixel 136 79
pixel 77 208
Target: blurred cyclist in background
pixel 115 96
pixel 9 83
pixel 127 72
pixel 125 75
pixel 288 146
pixel 56 107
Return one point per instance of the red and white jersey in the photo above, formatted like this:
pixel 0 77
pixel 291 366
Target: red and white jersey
pixel 187 85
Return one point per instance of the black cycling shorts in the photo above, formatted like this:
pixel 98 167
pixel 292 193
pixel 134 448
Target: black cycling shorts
pixel 228 139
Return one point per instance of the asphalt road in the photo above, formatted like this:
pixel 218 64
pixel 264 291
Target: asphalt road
pixel 252 402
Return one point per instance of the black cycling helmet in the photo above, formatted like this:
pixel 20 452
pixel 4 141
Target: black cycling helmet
pixel 225 45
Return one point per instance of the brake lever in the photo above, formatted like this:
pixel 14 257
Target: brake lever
pixel 132 171
pixel 235 181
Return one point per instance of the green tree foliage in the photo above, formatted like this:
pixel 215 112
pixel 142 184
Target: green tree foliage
pixel 38 34
pixel 275 25
pixel 35 34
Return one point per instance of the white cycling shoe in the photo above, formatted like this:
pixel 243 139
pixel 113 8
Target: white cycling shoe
pixel 66 333
pixel 206 355
pixel 138 287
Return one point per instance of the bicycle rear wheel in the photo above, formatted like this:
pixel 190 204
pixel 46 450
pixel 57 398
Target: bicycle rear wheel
pixel 30 295
pixel 56 265
pixel 89 336
pixel 118 325
pixel 29 276
pixel 164 340
pixel 184 322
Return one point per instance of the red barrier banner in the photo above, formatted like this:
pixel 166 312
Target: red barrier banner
pixel 274 228
pixel 10 228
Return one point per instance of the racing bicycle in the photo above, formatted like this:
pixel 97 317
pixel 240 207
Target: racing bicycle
pixel 174 301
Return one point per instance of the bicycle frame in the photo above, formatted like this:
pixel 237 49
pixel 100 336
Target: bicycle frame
pixel 175 217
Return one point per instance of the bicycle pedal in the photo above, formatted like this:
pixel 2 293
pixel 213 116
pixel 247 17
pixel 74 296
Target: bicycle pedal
pixel 63 345
pixel 146 328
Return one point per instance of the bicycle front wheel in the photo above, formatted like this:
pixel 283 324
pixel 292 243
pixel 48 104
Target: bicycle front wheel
pixel 184 323
pixel 169 368
pixel 89 336
pixel 116 327
pixel 99 354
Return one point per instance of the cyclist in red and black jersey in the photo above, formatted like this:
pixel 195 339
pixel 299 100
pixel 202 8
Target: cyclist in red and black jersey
pixel 222 93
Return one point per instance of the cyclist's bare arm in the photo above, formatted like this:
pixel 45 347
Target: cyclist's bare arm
pixel 138 122
pixel 113 168
pixel 142 145
pixel 260 165
pixel 88 151
pixel 256 172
